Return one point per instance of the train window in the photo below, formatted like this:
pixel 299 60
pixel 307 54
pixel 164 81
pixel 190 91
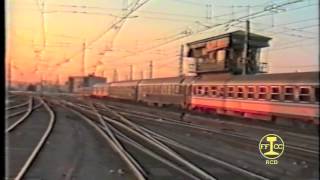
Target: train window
pixel 206 91
pixel 155 89
pixel 304 94
pixel 161 89
pixel 262 93
pixel 230 91
pixel 251 91
pixel 289 90
pixel 316 91
pixel 177 90
pixel 240 92
pixel 221 91
pixel 289 93
pixel 195 90
pixel 199 90
pixel 275 93
pixel 214 91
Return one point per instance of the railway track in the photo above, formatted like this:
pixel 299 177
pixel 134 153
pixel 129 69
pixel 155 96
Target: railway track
pixel 294 152
pixel 293 155
pixel 26 165
pixel 152 137
pixel 225 120
pixel 305 140
pixel 13 125
pixel 309 140
pixel 18 110
pixel 18 105
pixel 15 101
pixel 151 142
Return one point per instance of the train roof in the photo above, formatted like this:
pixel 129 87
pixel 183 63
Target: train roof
pixel 125 83
pixel 275 79
pixel 166 80
pixel 100 85
pixel 189 79
pixel 213 78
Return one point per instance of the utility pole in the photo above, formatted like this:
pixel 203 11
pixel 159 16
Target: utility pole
pixel 150 69
pixel 181 61
pixel 43 24
pixel 245 48
pixel 83 65
pixel 131 73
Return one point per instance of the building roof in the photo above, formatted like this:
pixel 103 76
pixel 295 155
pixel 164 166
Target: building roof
pixel 234 33
pixel 89 76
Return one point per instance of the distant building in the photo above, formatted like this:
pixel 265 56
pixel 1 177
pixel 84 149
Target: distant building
pixel 76 82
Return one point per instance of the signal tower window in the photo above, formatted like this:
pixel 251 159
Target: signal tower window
pixel 251 91
pixel 214 91
pixel 304 94
pixel 230 91
pixel 289 93
pixel 275 93
pixel 262 93
pixel 240 92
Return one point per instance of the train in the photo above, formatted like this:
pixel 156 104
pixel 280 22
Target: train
pixel 290 97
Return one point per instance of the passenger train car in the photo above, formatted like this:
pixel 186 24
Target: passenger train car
pixel 162 91
pixel 293 96
pixel 262 96
pixel 100 90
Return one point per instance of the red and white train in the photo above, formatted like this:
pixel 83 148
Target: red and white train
pixel 271 97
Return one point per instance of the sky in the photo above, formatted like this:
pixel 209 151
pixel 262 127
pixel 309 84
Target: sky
pixel 49 39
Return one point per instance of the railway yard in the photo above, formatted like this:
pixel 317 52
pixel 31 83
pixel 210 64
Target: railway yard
pixel 69 137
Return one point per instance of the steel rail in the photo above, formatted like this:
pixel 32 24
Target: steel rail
pixel 203 155
pixel 235 124
pixel 150 153
pixel 134 169
pixel 23 111
pixel 36 151
pixel 14 125
pixel 188 125
pixel 167 150
pixel 19 105
pixel 116 141
pixel 143 149
pixel 180 123
pixel 12 95
pixel 128 122
pixel 162 147
pixel 172 121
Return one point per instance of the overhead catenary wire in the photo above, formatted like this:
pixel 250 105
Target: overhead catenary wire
pixel 194 32
pixel 112 26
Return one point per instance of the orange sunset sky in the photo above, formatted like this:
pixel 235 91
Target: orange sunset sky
pixel 45 37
